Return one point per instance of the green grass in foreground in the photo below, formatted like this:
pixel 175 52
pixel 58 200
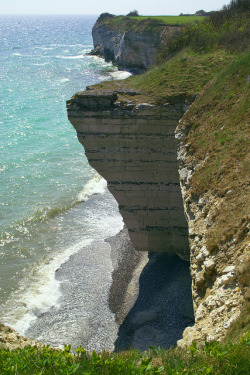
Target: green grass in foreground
pixel 213 358
pixel 172 20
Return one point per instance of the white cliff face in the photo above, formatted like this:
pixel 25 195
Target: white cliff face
pixel 134 148
pixel 217 293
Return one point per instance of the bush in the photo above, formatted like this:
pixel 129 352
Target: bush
pixel 228 29
pixel 214 358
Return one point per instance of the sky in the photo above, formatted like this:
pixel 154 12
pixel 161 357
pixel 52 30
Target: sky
pixel 118 7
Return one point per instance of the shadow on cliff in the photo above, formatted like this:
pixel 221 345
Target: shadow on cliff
pixel 163 308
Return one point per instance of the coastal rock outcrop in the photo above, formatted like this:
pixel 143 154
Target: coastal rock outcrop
pixel 133 147
pixel 10 339
pixel 216 274
pixel 133 47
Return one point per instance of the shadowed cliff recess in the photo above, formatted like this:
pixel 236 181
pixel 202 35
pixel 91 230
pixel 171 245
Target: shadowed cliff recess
pixel 133 147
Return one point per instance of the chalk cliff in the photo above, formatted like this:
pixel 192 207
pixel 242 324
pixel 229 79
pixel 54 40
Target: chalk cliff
pixel 133 147
pixel 134 45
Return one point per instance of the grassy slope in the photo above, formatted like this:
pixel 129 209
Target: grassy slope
pixel 213 359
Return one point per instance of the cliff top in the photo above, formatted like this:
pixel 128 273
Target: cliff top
pixel 145 22
pixel 183 76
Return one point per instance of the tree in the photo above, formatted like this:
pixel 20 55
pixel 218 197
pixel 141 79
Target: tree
pixel 133 13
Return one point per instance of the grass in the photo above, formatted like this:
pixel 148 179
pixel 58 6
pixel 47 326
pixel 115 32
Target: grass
pixel 217 125
pixel 214 358
pixel 183 75
pixel 147 23
pixel 171 20
pixel 186 73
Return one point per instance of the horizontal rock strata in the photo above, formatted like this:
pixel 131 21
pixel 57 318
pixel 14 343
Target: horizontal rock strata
pixel 133 147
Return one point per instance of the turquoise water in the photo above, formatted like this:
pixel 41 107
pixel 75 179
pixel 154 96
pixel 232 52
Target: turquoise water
pixel 45 177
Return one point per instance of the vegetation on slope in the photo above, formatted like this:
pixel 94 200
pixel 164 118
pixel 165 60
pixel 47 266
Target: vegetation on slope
pixel 227 29
pixel 214 359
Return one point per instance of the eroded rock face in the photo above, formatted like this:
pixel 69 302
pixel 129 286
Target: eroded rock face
pixel 216 289
pixel 133 147
pixel 130 50
pixel 10 339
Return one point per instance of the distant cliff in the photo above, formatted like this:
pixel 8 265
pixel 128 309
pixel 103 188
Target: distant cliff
pixel 130 44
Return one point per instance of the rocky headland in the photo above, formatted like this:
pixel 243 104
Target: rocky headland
pixel 129 44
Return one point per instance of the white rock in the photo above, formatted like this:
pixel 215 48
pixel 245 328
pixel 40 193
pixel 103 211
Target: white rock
pixel 199 280
pixel 229 269
pixel 209 264
pixel 204 251
pixel 224 280
pixel 229 322
pixel 185 174
pixel 200 313
pixel 200 257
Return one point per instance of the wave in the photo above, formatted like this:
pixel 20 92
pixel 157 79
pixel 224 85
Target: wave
pixel 70 57
pixel 67 45
pixel 63 80
pixel 39 291
pixel 97 185
pixel 119 74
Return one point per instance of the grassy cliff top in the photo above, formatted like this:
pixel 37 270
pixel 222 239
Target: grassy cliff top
pixel 168 20
pixel 183 75
pixel 144 23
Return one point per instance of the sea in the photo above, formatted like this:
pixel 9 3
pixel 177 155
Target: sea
pixel 55 210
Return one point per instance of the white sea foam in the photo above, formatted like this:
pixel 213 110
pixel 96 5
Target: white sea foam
pixel 70 57
pixel 41 64
pixel 119 74
pixel 39 291
pixel 97 185
pixel 63 80
pixel 66 45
